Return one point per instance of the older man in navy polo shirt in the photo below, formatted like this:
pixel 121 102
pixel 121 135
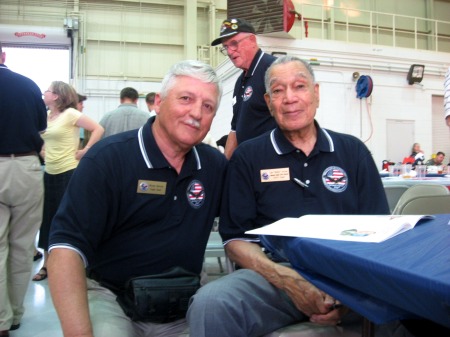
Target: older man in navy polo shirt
pixel 299 168
pixel 251 116
pixel 138 204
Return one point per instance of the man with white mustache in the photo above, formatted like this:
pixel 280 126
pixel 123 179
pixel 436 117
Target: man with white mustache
pixel 139 203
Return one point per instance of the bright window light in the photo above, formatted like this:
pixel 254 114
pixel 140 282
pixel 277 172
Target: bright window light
pixel 43 66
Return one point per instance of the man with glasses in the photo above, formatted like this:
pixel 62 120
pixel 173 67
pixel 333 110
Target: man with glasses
pixel 251 116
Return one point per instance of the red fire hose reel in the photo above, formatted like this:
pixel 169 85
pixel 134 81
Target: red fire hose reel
pixel 290 13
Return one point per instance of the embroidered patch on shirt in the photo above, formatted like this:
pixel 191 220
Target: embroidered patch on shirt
pixel 151 187
pixel 271 175
pixel 247 93
pixel 195 194
pixel 335 179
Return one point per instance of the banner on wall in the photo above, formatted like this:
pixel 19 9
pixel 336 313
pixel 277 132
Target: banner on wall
pixel 22 35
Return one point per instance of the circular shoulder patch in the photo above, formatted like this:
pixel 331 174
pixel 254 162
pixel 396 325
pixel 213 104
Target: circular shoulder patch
pixel 335 179
pixel 195 194
pixel 248 92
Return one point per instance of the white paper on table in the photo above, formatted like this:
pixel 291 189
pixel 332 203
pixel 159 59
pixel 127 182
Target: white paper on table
pixel 361 228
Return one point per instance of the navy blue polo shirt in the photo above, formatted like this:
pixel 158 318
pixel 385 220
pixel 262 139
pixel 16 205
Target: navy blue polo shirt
pixel 251 116
pixel 340 173
pixel 22 113
pixel 128 213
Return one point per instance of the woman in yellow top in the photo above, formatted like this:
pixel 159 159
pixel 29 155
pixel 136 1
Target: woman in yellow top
pixel 61 152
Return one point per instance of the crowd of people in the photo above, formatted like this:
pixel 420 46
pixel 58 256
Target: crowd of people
pixel 133 207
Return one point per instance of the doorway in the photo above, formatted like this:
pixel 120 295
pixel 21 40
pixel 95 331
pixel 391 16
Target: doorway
pixel 400 138
pixel 42 65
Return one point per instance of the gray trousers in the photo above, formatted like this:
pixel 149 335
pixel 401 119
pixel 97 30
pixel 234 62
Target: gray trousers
pixel 21 200
pixel 109 320
pixel 240 304
pixel 244 304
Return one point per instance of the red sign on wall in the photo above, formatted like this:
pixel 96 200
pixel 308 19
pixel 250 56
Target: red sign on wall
pixel 40 36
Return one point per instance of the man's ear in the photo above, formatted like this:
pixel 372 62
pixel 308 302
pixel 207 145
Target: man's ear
pixel 317 93
pixel 158 101
pixel 267 99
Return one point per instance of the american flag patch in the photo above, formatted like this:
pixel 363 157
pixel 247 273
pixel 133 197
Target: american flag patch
pixel 335 179
pixel 195 194
pixel 247 93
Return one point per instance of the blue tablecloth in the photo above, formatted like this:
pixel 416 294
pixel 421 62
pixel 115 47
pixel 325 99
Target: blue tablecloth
pixel 402 277
pixel 429 175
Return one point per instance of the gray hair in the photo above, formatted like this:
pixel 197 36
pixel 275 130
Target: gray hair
pixel 194 69
pixel 283 60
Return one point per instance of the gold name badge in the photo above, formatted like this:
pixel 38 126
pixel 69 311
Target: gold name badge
pixel 152 187
pixel 271 175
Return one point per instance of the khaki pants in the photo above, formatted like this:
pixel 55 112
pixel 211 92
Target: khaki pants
pixel 109 320
pixel 21 200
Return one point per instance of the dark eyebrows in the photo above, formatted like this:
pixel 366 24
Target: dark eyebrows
pixel 299 75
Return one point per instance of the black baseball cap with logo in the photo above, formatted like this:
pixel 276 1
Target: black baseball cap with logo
pixel 232 27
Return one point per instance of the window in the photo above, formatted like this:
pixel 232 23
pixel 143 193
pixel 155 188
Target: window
pixel 42 65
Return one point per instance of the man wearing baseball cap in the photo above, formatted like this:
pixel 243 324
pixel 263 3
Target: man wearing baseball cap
pixel 251 116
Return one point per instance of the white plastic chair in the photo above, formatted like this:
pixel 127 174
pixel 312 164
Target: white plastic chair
pixel 419 191
pixel 432 204
pixel 393 194
pixel 214 248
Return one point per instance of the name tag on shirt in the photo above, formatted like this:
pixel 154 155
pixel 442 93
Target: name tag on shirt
pixel 271 175
pixel 152 187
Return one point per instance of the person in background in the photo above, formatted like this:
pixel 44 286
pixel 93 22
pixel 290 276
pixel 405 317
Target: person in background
pixel 298 168
pixel 61 153
pixel 221 143
pixel 80 104
pixel 251 116
pixel 416 151
pixel 437 160
pixel 23 116
pixel 447 96
pixel 209 139
pixel 84 139
pixel 417 157
pixel 80 107
pixel 150 101
pixel 139 203
pixel 127 116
